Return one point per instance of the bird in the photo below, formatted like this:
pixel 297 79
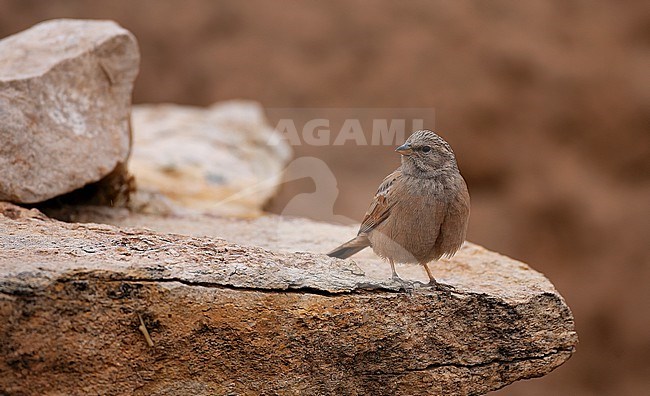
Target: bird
pixel 420 212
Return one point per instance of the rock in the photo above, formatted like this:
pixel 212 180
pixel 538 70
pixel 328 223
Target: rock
pixel 65 95
pixel 223 159
pixel 228 318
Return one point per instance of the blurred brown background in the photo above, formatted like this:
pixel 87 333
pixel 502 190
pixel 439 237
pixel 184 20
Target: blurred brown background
pixel 546 103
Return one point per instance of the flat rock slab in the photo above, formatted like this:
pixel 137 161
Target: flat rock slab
pixel 228 318
pixel 65 96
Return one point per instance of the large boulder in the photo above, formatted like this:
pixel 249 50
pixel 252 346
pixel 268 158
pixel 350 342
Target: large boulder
pixel 100 309
pixel 65 96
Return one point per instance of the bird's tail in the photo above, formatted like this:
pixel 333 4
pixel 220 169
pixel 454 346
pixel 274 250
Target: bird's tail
pixel 350 247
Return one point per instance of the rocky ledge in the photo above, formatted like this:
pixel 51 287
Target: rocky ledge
pixel 252 307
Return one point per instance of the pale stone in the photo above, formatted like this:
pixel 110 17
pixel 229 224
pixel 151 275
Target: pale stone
pixel 65 96
pixel 222 159
pixel 232 318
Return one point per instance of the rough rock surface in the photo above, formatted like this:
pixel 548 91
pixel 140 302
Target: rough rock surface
pixel 223 159
pixel 227 318
pixel 65 95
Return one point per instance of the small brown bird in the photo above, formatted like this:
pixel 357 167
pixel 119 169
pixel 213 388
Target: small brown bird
pixel 420 211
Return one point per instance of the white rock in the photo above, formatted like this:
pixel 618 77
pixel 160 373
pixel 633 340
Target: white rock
pixel 65 96
pixel 223 159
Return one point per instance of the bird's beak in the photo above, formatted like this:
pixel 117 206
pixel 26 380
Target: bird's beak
pixel 404 149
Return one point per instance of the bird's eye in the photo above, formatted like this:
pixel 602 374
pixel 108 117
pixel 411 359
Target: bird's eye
pixel 426 149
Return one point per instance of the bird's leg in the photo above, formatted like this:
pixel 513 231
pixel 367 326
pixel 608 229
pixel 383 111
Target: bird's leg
pixel 392 267
pixel 432 280
pixel 405 285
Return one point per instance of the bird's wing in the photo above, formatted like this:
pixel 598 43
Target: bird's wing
pixel 381 204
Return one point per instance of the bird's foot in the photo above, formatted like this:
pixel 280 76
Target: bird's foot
pixel 432 284
pixel 406 286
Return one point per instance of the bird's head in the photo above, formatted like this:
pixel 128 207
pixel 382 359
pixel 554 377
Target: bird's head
pixel 425 154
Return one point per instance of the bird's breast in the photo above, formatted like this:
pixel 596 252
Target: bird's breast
pixel 409 233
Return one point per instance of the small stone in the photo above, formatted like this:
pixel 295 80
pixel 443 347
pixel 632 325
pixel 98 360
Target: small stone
pixel 65 96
